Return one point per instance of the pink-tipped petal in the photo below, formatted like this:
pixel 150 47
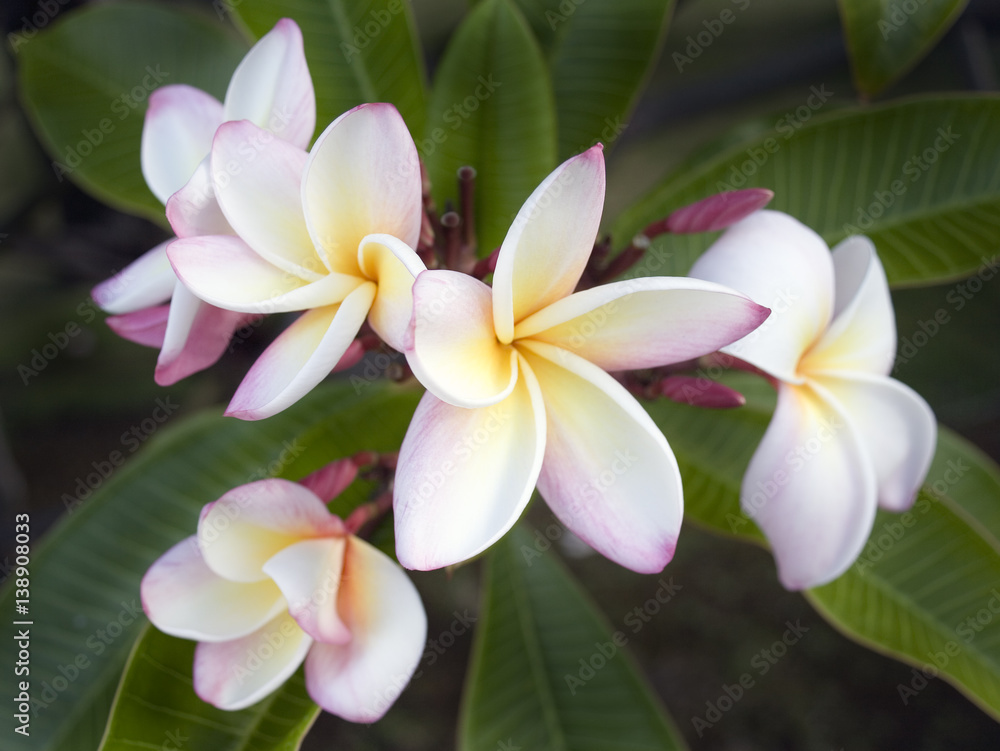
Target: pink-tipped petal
pixel 145 282
pixel 719 211
pixel 778 262
pixel 183 597
pixel 226 272
pixel 362 178
pixel 193 210
pixel 811 488
pixel 147 327
pixel 308 574
pixel 360 680
pixel 897 428
pixel 196 336
pixel 645 322
pixel 304 354
pixel 394 265
pixel 258 183
pixel 247 526
pixel 272 87
pixel 548 245
pixel 235 674
pixel 862 336
pixel 176 136
pixel 330 481
pixel 455 353
pixel 608 474
pixel 701 392
pixel 465 475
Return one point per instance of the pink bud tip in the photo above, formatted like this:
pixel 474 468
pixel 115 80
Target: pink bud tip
pixel 330 481
pixel 700 392
pixel 352 356
pixel 718 211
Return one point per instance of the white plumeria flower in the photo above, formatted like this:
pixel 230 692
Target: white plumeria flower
pixel 845 438
pixel 272 88
pixel 518 393
pixel 330 232
pixel 272 580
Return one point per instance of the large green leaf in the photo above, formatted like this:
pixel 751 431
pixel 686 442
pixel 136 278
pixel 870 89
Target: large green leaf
pixel 86 80
pixel 358 51
pixel 923 574
pixel 492 108
pixel 85 575
pixel 918 177
pixel 600 55
pixel 886 38
pixel 156 707
pixel 548 671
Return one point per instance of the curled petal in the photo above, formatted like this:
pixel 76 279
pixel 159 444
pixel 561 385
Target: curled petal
pixel 145 282
pixel 719 211
pixel 235 674
pixel 862 336
pixel 309 574
pixel 176 136
pixel 779 262
pixel 362 178
pixel 147 326
pixel 393 265
pixel 330 481
pixel 455 353
pixel 465 475
pixel 304 354
pixel 193 210
pixel 361 679
pixel 183 597
pixel 548 245
pixel 645 322
pixel 272 87
pixel 247 526
pixel 608 474
pixel 896 426
pixel 810 487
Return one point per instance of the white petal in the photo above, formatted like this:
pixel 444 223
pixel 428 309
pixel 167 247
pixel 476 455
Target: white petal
pixel 780 263
pixel 299 359
pixel 183 597
pixel 247 526
pixel 811 488
pixel 646 322
pixel 145 282
pixel 193 210
pixel 361 679
pixel 272 87
pixel 455 353
pixel 393 265
pixel 862 335
pixel 309 575
pixel 465 475
pixel 235 674
pixel 176 136
pixel 897 428
pixel 549 243
pixel 608 473
pixel 363 178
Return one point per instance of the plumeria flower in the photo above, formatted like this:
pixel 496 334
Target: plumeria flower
pixel 272 88
pixel 518 392
pixel 272 580
pixel 330 232
pixel 845 438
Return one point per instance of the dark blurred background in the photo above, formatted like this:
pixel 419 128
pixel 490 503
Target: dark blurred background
pixel 56 242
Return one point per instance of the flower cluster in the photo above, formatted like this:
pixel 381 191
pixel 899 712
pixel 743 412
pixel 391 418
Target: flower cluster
pixel 521 391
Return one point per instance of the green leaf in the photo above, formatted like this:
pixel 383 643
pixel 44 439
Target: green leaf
pixel 918 177
pixel 85 574
pixel 156 707
pixel 492 108
pixel 601 55
pixel 87 97
pixel 548 670
pixel 886 38
pixel 923 574
pixel 358 51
